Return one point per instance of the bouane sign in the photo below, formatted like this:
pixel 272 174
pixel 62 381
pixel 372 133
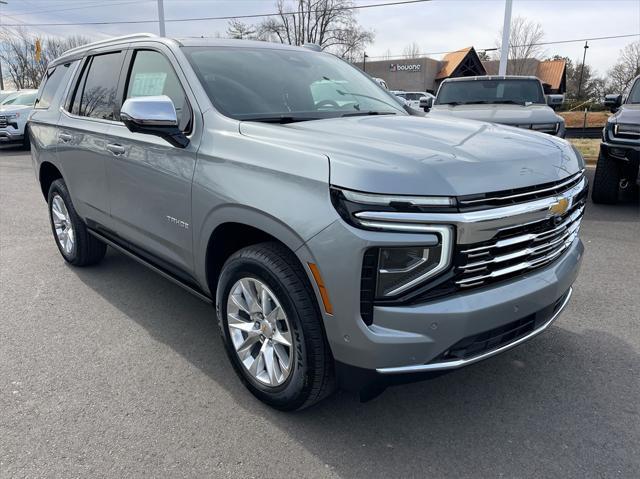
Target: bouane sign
pixel 402 67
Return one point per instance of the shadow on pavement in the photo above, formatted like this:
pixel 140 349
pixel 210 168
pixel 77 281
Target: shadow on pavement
pixel 544 401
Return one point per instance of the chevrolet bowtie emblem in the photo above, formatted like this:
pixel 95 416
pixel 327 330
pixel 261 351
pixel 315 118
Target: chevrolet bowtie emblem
pixel 559 208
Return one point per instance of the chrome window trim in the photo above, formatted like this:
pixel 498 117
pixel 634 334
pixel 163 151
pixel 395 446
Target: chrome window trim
pixel 465 362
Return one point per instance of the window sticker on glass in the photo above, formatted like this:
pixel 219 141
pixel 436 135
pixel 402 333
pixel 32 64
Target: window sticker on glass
pixel 148 84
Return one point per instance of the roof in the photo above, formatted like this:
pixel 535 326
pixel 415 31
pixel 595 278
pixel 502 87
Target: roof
pixel 492 77
pixel 451 62
pixel 142 37
pixel 551 72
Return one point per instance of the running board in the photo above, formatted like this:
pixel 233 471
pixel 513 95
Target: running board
pixel 151 266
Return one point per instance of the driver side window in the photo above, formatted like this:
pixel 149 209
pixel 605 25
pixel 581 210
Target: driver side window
pixel 151 75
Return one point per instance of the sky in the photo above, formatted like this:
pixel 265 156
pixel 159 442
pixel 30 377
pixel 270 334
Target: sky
pixel 436 26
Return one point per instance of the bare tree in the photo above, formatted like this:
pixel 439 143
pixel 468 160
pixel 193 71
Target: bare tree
pixel 328 23
pixel 241 30
pixel 625 70
pixel 18 54
pixel 411 51
pixel 524 37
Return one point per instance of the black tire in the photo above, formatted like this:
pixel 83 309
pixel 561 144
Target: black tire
pixel 606 181
pixel 87 249
pixel 26 141
pixel 312 375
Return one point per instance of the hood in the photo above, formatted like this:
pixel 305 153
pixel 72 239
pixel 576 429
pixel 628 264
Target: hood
pixel 627 113
pixel 505 114
pixel 426 156
pixel 14 108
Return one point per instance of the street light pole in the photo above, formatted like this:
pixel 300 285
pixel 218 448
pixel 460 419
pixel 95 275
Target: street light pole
pixel 584 56
pixel 3 2
pixel 161 17
pixel 364 62
pixel 506 31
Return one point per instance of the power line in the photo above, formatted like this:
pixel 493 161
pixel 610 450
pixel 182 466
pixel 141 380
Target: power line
pixel 84 6
pixel 513 46
pixel 226 17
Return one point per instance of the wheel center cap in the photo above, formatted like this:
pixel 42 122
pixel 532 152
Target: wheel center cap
pixel 266 329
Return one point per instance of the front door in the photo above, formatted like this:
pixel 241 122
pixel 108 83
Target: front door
pixel 150 180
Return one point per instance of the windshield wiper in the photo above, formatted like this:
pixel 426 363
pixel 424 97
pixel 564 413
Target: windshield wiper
pixel 371 112
pixel 369 97
pixel 282 119
pixel 510 102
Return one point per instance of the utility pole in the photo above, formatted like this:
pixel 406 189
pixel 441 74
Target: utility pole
pixel 2 2
pixel 364 62
pixel 161 17
pixel 584 56
pixel 506 32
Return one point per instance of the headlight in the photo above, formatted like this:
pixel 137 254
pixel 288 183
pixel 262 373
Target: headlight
pixel 401 268
pixel 545 126
pixel 12 115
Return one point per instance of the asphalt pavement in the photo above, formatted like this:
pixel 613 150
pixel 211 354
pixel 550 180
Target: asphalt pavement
pixel 112 371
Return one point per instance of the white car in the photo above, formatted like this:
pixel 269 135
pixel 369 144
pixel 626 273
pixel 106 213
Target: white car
pixel 14 113
pixel 412 97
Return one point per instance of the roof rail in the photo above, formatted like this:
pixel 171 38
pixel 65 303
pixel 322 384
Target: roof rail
pixel 109 40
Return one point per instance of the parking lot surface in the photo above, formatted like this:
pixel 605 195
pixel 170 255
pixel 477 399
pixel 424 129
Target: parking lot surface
pixel 112 371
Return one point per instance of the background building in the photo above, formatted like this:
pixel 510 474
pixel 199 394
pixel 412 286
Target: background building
pixel 426 74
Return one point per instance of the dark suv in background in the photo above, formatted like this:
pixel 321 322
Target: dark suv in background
pixel 619 159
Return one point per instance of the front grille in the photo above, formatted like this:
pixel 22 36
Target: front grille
pixel 518 249
pixel 518 195
pixel 3 121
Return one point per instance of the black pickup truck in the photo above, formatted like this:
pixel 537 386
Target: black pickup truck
pixel 619 158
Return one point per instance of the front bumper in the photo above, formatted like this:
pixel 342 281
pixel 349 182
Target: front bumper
pixel 407 338
pixel 11 136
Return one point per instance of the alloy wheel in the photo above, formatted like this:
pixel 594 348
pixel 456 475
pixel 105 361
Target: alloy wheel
pixel 260 331
pixel 65 234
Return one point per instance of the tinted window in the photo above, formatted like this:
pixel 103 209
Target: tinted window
pixel 51 84
pixel 491 91
pixel 152 74
pixel 96 93
pixel 254 83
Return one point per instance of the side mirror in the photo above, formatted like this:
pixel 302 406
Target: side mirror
pixel 555 100
pixel 426 103
pixel 153 115
pixel 613 102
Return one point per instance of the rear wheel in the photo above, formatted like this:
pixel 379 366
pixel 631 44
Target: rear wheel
pixel 272 327
pixel 606 181
pixel 74 242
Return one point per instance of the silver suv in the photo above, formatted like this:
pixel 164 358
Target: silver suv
pixel 343 241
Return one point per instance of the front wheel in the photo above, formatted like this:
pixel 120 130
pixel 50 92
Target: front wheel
pixel 272 327
pixel 606 181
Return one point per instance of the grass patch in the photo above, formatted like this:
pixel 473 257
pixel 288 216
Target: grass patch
pixel 575 119
pixel 589 147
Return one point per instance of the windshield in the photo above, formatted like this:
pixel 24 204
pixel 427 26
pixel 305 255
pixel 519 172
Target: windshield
pixel 267 84
pixel 23 99
pixel 490 91
pixel 634 94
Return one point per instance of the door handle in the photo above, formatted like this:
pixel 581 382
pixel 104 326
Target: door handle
pixel 65 137
pixel 116 149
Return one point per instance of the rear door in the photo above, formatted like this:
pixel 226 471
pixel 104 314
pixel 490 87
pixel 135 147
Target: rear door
pixel 81 133
pixel 150 180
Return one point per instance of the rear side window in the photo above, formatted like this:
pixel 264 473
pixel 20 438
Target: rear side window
pixel 50 85
pixel 97 88
pixel 152 74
